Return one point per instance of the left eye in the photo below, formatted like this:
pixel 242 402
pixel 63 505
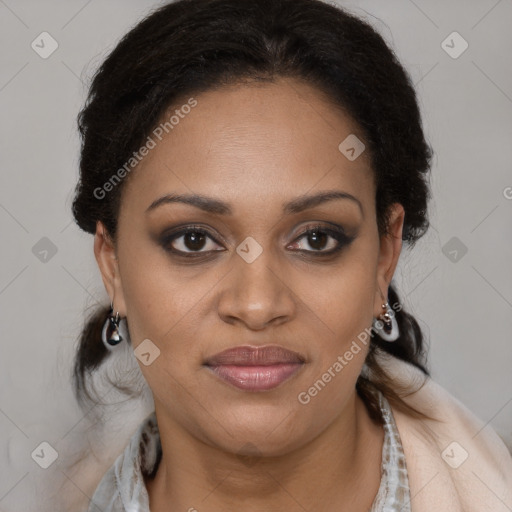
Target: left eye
pixel 321 240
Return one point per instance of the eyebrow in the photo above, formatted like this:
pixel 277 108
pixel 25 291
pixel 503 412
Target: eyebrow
pixel 215 206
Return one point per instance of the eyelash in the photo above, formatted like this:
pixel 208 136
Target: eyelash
pixel 338 234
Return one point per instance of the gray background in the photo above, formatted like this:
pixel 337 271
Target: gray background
pixel 463 301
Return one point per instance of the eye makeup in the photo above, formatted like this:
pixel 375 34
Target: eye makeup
pixel 195 241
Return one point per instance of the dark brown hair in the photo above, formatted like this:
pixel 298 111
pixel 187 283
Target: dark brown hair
pixel 190 46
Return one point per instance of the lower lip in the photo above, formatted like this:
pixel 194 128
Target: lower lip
pixel 256 378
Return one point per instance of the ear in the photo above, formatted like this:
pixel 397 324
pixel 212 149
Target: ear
pixel 105 253
pixel 390 248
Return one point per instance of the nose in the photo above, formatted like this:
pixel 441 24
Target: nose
pixel 256 295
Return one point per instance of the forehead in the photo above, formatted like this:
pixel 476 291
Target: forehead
pixel 252 142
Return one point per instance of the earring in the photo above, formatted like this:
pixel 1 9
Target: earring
pixel 110 334
pixel 387 326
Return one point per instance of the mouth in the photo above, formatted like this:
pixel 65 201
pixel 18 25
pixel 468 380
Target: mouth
pixel 255 368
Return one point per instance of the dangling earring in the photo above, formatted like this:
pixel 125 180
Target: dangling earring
pixel 110 334
pixel 387 326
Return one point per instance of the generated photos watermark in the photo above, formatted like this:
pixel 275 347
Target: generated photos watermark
pixel 304 397
pixel 157 133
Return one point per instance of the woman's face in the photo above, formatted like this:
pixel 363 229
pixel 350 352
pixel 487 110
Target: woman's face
pixel 256 155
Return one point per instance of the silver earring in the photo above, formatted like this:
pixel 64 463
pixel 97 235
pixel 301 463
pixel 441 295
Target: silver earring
pixel 110 334
pixel 387 326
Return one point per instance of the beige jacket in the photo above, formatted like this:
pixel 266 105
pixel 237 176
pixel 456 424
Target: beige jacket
pixel 459 464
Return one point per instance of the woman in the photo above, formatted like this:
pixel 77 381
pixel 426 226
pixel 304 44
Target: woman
pixel 249 169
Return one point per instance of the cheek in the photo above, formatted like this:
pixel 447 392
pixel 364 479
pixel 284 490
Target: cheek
pixel 345 307
pixel 339 305
pixel 160 295
pixel 340 311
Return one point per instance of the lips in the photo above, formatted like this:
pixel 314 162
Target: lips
pixel 255 368
pixel 254 356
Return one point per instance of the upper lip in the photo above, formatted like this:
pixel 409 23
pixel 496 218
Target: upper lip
pixel 247 355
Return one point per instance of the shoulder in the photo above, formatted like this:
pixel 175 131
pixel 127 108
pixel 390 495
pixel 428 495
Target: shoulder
pixel 455 457
pixel 122 487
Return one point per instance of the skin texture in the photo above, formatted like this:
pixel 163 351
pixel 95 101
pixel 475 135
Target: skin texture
pixel 255 146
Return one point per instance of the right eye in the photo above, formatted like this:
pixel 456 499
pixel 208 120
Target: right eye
pixel 189 241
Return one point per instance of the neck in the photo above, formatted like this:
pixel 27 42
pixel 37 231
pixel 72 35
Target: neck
pixel 339 466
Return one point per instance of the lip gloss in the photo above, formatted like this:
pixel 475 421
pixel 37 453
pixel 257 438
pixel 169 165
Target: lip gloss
pixel 256 378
